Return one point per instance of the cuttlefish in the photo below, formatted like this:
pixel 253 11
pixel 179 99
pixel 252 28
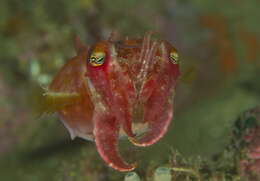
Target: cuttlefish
pixel 117 88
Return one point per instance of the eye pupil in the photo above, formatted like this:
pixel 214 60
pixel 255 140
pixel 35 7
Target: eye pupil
pixel 100 59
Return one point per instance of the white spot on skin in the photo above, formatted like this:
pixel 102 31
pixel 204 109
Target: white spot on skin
pixel 111 165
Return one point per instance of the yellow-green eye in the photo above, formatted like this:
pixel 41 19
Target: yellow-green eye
pixel 174 57
pixel 97 58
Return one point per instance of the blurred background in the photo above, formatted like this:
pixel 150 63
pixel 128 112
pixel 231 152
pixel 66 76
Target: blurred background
pixel 219 48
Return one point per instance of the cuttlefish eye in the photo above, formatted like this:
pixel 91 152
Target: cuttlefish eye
pixel 174 56
pixel 97 58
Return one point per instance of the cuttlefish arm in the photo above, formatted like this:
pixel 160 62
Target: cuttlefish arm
pixel 110 112
pixel 106 132
pixel 109 82
pixel 158 109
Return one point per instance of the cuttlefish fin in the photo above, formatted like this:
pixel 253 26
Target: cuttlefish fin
pixel 106 133
pixel 68 95
pixel 76 133
pixel 51 102
pixel 65 88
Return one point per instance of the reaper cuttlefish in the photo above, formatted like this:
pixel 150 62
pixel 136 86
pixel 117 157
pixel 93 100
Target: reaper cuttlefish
pixel 117 88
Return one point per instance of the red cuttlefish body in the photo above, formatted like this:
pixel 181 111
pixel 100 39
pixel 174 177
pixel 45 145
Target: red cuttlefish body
pixel 118 88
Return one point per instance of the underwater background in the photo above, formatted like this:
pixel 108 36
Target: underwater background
pixel 219 49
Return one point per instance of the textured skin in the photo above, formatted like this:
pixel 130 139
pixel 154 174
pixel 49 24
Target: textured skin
pixel 131 91
pixel 76 117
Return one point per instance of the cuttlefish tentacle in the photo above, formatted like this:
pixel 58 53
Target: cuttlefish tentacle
pixel 106 133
